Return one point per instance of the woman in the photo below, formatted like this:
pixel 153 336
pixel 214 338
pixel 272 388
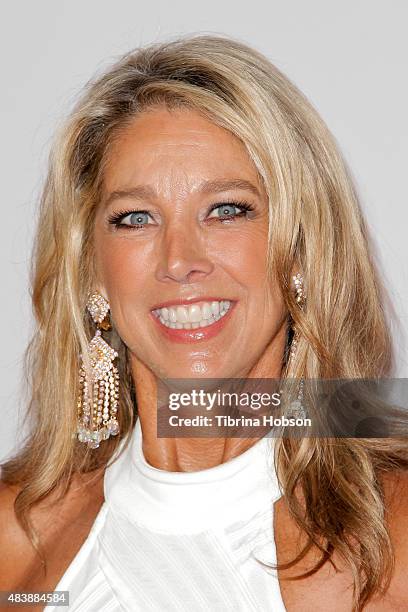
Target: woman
pixel 198 206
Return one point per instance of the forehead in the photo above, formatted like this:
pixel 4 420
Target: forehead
pixel 178 142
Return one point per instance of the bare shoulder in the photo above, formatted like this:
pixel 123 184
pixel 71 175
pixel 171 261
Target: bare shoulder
pixel 62 524
pixel 326 589
pixel 396 516
pixel 14 543
pixel 395 486
pixel 331 588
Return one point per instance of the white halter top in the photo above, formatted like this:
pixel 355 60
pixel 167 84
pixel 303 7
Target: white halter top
pixel 180 541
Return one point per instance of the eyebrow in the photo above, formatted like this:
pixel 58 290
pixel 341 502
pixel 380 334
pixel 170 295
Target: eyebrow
pixel 143 192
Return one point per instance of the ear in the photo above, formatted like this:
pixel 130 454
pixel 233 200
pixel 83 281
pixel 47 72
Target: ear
pixel 297 286
pixel 100 288
pixel 293 275
pixel 97 282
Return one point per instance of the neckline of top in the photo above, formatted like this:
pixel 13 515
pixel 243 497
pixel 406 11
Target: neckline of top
pixel 187 502
pixel 216 473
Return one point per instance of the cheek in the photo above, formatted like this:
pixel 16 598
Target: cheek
pixel 247 266
pixel 124 270
pixel 122 267
pixel 243 255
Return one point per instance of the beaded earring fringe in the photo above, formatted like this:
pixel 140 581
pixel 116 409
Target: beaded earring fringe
pixel 296 406
pixel 98 390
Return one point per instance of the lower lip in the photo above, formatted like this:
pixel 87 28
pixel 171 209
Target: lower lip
pixel 186 336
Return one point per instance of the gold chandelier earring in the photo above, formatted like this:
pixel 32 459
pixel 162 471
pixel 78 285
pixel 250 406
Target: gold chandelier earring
pixel 99 388
pixel 296 406
pixel 300 298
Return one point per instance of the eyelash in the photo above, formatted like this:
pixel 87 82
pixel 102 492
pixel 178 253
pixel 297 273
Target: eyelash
pixel 115 218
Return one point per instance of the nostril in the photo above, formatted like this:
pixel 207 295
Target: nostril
pixel 184 268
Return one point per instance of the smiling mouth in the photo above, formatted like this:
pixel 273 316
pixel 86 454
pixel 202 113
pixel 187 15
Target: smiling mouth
pixel 192 316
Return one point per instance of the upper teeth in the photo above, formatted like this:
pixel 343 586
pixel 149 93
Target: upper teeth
pixel 192 316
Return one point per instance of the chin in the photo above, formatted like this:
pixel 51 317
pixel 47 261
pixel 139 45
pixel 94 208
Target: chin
pixel 197 369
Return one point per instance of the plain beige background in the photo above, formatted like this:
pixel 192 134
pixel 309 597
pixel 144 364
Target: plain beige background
pixel 348 57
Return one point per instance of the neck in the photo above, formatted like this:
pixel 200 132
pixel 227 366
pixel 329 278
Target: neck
pixel 193 454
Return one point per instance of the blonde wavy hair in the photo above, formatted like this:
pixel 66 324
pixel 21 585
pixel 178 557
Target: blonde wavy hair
pixel 317 227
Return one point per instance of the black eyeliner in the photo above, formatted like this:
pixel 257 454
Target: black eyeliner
pixel 244 206
pixel 114 218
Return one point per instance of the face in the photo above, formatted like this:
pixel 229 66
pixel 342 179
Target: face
pixel 180 245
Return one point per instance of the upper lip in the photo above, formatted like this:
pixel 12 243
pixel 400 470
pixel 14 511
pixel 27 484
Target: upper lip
pixel 191 300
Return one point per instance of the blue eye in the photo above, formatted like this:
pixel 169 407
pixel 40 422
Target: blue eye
pixel 224 210
pixel 139 219
pixel 130 219
pixel 227 211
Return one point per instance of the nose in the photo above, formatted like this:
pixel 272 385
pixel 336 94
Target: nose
pixel 183 257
